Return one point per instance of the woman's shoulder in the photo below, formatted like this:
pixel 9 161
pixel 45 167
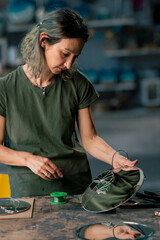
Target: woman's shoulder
pixel 80 75
pixel 11 76
pixel 79 78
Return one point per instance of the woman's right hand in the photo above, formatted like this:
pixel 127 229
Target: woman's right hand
pixel 43 167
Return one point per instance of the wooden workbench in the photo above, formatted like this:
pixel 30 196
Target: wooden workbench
pixel 61 221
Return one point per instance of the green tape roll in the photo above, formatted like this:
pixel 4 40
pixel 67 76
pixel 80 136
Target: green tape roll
pixel 58 198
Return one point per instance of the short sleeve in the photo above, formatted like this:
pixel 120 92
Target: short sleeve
pixel 2 98
pixel 86 91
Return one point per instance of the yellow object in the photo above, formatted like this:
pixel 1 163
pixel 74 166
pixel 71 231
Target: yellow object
pixel 4 186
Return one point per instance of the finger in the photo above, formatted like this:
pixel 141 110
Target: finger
pixel 124 168
pixel 130 163
pixel 130 236
pixel 131 233
pixel 135 233
pixel 127 168
pixel 47 175
pixel 55 173
pixel 52 174
pixel 54 170
pixel 43 175
pixel 59 172
pixel 134 162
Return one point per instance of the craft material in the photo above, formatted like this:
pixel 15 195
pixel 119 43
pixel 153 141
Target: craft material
pixel 21 215
pixel 58 198
pixel 110 190
pixel 9 206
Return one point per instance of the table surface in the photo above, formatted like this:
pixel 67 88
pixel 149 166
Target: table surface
pixel 61 221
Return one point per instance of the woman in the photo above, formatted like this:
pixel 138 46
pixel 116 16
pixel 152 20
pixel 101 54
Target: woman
pixel 39 104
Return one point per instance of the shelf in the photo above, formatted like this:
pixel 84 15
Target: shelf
pixel 131 53
pixel 111 22
pixel 3 50
pixel 11 28
pixel 106 87
pixel 91 24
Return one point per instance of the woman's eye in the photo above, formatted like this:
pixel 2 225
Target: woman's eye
pixel 65 54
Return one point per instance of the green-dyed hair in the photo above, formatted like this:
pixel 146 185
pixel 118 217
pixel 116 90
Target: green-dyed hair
pixel 58 25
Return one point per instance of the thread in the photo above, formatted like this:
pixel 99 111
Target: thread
pixel 58 198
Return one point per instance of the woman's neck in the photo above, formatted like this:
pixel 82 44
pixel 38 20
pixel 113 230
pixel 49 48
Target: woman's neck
pixel 44 80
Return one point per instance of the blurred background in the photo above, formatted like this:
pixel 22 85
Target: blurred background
pixel 121 59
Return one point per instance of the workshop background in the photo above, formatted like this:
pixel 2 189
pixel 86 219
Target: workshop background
pixel 121 59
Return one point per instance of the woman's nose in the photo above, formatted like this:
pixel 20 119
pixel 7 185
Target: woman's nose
pixel 68 64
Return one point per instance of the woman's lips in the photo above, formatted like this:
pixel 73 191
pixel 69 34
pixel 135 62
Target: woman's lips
pixel 61 69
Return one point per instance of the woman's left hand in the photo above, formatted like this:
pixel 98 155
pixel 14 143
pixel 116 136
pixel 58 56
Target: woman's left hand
pixel 120 162
pixel 97 147
pixel 125 232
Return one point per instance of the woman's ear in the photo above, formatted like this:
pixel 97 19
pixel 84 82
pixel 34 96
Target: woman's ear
pixel 43 43
pixel 43 39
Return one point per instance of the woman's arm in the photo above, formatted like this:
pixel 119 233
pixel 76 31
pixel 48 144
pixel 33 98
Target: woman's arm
pixel 96 146
pixel 7 155
pixel 39 165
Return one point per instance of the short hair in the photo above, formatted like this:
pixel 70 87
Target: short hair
pixel 59 24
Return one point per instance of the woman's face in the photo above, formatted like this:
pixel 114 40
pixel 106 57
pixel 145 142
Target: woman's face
pixel 61 56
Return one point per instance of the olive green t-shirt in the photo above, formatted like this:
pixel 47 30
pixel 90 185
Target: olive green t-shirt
pixel 44 124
